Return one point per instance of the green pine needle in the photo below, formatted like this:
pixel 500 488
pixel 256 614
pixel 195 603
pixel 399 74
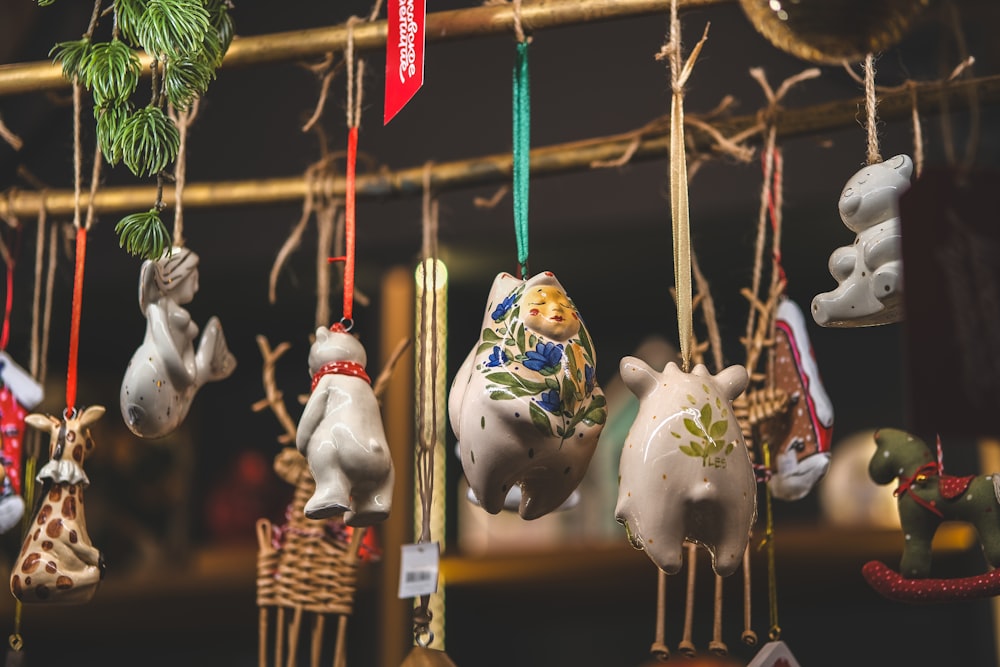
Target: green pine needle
pixel 174 28
pixel 147 141
pixel 110 119
pixel 112 72
pixel 128 14
pixel 143 234
pixel 73 56
pixel 185 80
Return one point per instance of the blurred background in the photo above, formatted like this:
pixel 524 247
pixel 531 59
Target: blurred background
pixel 176 517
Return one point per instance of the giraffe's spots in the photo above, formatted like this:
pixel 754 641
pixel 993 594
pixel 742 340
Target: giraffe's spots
pixel 71 436
pixel 55 493
pixel 51 567
pixel 43 514
pixel 78 453
pixel 69 508
pixel 15 586
pixel 47 545
pixel 73 537
pixel 54 529
pixel 42 591
pixel 34 538
pixel 64 583
pixel 30 564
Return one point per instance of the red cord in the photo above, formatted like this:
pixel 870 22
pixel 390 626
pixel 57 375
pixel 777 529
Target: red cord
pixel 8 305
pixel 74 332
pixel 349 220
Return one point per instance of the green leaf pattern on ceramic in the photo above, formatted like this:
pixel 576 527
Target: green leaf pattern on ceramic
pixel 558 379
pixel 708 435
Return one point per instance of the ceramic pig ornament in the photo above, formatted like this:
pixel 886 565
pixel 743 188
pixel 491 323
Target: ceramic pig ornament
pixel 166 370
pixel 685 472
pixel 869 272
pixel 525 405
pixel 341 434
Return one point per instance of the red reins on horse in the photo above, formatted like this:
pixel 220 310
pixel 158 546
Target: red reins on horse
pixel 928 469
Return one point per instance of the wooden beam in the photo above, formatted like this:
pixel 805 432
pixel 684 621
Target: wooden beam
pixel 369 35
pixel 496 169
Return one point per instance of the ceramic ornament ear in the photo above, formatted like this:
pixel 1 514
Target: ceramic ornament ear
pixel 685 472
pixel 869 272
pixel 525 405
pixel 58 564
pixel 926 496
pixel 167 370
pixel 342 436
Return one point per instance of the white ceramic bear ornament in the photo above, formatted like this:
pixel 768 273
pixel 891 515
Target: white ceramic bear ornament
pixel 341 434
pixel 685 472
pixel 869 272
pixel 525 404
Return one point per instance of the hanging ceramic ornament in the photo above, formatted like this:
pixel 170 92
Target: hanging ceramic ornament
pixel 166 370
pixel 525 404
pixel 58 564
pixel 19 393
pixel 829 32
pixel 685 448
pixel 341 434
pixel 869 272
pixel 926 497
pixel 800 437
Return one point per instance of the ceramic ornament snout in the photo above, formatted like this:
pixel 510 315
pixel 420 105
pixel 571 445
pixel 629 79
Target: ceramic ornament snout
pixel 166 371
pixel 341 434
pixel 869 272
pixel 685 473
pixel 525 404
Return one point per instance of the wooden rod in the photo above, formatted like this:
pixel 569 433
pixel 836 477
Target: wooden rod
pixel 369 35
pixel 495 169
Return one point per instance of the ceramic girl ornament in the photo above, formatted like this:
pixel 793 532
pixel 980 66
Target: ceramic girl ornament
pixel 685 472
pixel 525 405
pixel 341 434
pixel 869 272
pixel 58 564
pixel 167 370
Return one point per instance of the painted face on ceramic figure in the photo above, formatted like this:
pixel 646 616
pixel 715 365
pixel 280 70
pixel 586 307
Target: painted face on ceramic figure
pixel 548 311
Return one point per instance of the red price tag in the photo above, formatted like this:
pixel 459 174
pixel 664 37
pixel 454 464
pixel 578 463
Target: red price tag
pixel 404 54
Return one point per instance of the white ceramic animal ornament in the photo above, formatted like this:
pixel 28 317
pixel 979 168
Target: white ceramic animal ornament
pixel 58 564
pixel 341 434
pixel 685 472
pixel 525 405
pixel 869 272
pixel 166 371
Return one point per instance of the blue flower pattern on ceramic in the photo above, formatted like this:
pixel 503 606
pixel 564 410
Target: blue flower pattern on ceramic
pixel 545 357
pixel 497 358
pixel 559 379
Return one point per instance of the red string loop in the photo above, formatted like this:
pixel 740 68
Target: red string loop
pixel 349 223
pixel 74 332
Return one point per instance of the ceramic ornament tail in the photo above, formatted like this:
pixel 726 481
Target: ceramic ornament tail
pixel 685 471
pixel 525 404
pixel 342 436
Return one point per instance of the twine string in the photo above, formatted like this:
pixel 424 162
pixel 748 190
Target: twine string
pixel 871 111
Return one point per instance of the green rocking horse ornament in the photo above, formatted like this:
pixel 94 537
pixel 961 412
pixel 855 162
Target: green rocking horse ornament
pixel 927 497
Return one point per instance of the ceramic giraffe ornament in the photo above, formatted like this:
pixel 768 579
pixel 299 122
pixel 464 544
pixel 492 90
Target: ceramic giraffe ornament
pixel 58 564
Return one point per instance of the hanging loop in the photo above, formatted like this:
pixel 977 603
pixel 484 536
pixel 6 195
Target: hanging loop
pixel 347 323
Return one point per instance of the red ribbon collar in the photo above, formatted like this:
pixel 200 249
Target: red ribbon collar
pixel 930 469
pixel 340 368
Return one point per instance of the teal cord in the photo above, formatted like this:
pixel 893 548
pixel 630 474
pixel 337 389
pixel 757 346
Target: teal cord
pixel 522 154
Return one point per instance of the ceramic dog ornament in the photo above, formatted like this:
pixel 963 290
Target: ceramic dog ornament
pixel 166 371
pixel 341 434
pixel 525 405
pixel 869 272
pixel 685 472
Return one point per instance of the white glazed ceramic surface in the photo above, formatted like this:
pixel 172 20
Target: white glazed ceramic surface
pixel 685 472
pixel 58 564
pixel 166 371
pixel 525 405
pixel 869 272
pixel 341 435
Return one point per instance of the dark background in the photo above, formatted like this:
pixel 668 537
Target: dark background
pixel 604 232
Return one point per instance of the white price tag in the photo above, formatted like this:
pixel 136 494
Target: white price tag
pixel 418 573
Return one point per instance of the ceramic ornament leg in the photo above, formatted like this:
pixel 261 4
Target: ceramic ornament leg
pixel 342 436
pixel 58 564
pixel 525 405
pixel 166 371
pixel 869 272
pixel 685 472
